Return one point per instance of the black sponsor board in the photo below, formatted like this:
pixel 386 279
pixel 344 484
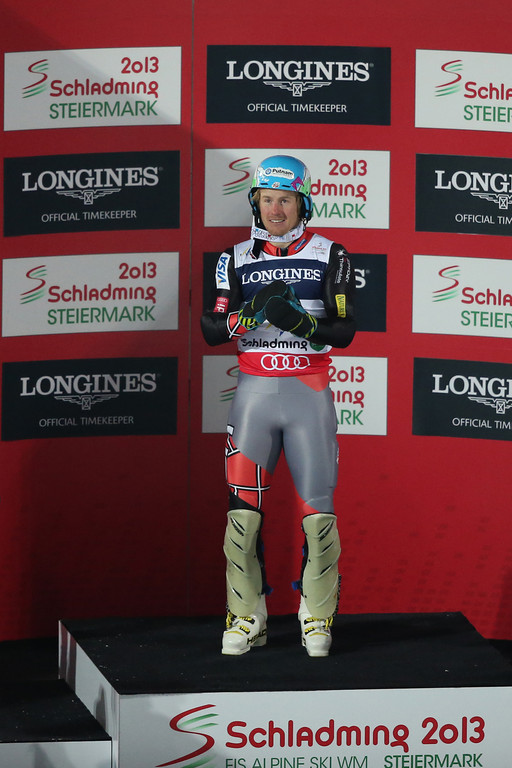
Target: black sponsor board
pixel 371 293
pixel 86 192
pixel 462 398
pixel 298 84
pixel 87 398
pixel 464 194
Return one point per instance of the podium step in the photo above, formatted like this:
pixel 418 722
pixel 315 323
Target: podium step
pixel 398 690
pixel 43 723
pixel 182 655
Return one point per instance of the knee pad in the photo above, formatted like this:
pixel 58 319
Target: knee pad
pixel 320 578
pixel 244 579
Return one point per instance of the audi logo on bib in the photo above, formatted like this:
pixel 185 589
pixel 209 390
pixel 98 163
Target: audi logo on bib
pixel 284 362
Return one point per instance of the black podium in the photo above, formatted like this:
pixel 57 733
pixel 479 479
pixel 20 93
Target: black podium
pixel 397 691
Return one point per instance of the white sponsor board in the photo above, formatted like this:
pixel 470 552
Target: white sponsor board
pixel 359 387
pixel 90 293
pixel 92 87
pixel 462 296
pixel 220 377
pixel 464 90
pixel 350 188
pixel 396 728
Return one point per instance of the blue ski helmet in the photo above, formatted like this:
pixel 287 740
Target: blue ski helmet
pixel 283 172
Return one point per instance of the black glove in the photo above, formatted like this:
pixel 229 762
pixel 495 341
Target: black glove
pixel 289 315
pixel 252 314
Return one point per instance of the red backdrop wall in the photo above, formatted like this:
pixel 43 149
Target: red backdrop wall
pixel 133 525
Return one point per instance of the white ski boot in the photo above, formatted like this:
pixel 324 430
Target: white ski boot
pixel 242 632
pixel 315 633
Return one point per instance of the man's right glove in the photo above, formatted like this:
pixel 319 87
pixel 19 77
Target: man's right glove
pixel 252 314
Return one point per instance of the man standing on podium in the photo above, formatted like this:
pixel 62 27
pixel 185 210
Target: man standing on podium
pixel 286 297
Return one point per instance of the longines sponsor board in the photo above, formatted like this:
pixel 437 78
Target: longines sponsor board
pixel 358 384
pixel 371 279
pixel 464 90
pixel 371 290
pixel 298 84
pixel 464 194
pixel 84 398
pixel 349 188
pixel 90 293
pixel 463 296
pixel 461 398
pixel 92 87
pixel 76 193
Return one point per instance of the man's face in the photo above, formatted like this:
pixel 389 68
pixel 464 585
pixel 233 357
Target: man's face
pixel 279 210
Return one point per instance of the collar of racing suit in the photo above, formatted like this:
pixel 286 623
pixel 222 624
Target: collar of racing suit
pixel 260 233
pixel 294 247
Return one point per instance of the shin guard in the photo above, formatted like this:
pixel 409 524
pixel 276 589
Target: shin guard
pixel 244 580
pixel 320 578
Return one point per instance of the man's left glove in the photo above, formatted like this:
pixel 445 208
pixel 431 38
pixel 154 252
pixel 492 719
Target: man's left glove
pixel 288 314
